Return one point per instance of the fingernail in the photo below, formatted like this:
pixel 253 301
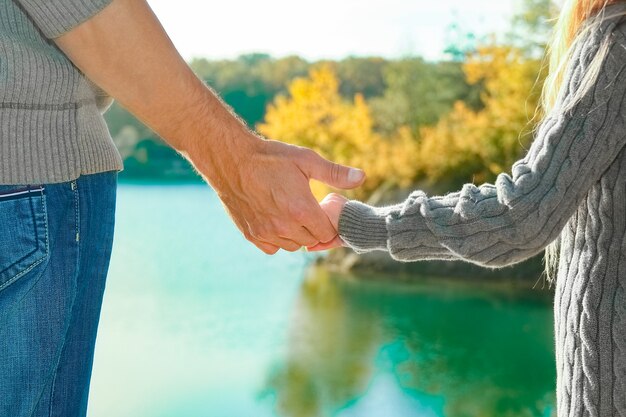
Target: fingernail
pixel 355 175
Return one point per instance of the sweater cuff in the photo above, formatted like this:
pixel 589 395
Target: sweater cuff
pixel 56 17
pixel 363 227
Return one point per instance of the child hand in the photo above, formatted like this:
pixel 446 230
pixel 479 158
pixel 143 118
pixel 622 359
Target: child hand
pixel 332 205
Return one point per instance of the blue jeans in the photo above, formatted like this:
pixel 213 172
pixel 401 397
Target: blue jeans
pixel 55 246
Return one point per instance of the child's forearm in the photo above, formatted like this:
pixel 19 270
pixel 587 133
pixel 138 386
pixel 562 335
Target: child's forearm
pixel 518 216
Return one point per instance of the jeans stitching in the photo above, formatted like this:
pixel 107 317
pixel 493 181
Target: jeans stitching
pixel 44 205
pixel 77 209
pixel 74 187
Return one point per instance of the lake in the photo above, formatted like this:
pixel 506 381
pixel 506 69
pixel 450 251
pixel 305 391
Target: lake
pixel 197 322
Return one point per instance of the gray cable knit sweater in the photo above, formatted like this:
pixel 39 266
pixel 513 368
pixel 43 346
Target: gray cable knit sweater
pixel 572 184
pixel 51 126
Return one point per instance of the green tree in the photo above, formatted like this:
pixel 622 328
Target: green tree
pixel 531 27
pixel 363 76
pixel 249 83
pixel 418 93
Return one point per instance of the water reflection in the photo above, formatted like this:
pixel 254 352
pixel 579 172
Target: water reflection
pixel 360 349
pixel 330 355
pixel 197 323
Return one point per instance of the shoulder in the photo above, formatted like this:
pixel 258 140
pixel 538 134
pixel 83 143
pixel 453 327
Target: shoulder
pixel 605 36
pixel 613 22
pixel 616 53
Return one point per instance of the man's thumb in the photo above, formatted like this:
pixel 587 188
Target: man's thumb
pixel 335 175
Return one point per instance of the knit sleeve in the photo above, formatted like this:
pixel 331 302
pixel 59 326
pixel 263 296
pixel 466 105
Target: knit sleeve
pixel 56 17
pixel 515 218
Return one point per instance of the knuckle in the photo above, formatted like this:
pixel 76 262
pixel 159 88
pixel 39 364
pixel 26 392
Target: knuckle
pixel 311 242
pixel 291 247
pixel 283 230
pixel 280 227
pixel 334 172
pixel 253 234
pixel 308 154
pixel 267 249
pixel 262 232
pixel 299 212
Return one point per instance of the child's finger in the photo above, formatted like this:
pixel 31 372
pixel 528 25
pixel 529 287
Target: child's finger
pixel 335 243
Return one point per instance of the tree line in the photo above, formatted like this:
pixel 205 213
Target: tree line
pixel 406 121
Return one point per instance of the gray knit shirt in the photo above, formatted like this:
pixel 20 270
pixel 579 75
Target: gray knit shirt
pixel 572 184
pixel 51 124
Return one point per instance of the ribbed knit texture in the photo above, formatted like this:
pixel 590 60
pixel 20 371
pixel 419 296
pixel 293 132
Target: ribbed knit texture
pixel 51 124
pixel 572 184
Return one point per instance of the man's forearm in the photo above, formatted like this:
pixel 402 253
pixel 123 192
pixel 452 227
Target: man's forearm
pixel 125 50
pixel 264 185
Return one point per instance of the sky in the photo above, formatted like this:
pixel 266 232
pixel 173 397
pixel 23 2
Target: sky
pixel 325 29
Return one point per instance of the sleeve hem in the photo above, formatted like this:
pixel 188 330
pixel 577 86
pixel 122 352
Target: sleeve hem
pixel 56 17
pixel 363 227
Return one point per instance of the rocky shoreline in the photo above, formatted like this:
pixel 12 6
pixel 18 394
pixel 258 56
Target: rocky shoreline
pixel 379 265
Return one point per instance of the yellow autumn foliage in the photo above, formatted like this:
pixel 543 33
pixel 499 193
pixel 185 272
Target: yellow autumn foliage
pixel 477 145
pixel 464 145
pixel 313 114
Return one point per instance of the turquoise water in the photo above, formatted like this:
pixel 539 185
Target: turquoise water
pixel 196 322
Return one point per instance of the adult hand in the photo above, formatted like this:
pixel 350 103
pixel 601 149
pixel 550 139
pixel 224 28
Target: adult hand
pixel 267 194
pixel 332 205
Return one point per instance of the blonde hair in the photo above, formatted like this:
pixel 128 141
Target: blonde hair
pixel 576 19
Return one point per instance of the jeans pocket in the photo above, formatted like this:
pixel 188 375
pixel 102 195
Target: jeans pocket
pixel 23 231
